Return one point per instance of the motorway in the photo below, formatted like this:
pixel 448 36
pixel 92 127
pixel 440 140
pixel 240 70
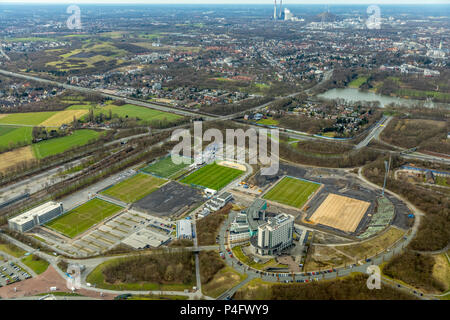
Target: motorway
pixel 375 132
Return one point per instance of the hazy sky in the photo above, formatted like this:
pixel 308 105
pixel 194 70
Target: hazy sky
pixel 287 2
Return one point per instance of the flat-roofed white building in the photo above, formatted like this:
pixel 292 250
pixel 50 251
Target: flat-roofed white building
pixel 36 216
pixel 184 229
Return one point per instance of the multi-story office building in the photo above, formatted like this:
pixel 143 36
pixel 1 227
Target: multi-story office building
pixel 275 235
pixel 36 216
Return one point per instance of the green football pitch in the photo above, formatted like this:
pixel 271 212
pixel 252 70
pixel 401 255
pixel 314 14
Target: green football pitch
pixel 292 192
pixel 212 176
pixel 83 217
pixel 135 188
pixel 165 168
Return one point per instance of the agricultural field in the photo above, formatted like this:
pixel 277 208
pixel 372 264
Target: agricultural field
pixel 83 217
pixel 135 188
pixel 10 136
pixel 292 192
pixel 11 158
pixel 26 119
pixel 212 176
pixel 54 146
pixel 64 117
pixel 132 111
pixel 164 168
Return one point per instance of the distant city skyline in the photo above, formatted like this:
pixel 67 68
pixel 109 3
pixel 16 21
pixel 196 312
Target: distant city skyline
pixel 286 2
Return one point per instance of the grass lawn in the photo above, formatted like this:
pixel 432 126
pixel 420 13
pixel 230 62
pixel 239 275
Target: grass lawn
pixel 97 277
pixel 12 250
pixel 37 265
pixel 135 188
pixel 292 192
pixel 83 217
pixel 31 119
pixel 58 145
pixel 240 255
pixel 374 246
pixel 268 122
pixel 224 280
pixel 212 176
pixel 132 111
pixel 164 167
pixel 10 135
pixel 358 82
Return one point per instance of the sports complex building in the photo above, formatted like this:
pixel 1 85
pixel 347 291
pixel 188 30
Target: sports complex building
pixel 36 216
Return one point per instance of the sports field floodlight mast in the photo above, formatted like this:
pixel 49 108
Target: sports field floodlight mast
pixel 387 165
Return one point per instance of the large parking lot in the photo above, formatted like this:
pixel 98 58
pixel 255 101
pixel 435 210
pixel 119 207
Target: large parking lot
pixel 10 273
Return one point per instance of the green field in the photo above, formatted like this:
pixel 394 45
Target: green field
pixel 135 188
pixel 292 192
pixel 37 264
pixel 164 167
pixel 10 135
pixel 212 176
pixel 30 119
pixel 268 122
pixel 83 217
pixel 58 145
pixel 141 113
pixel 358 82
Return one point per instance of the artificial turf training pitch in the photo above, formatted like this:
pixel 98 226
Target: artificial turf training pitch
pixel 81 218
pixel 164 168
pixel 135 188
pixel 292 192
pixel 212 176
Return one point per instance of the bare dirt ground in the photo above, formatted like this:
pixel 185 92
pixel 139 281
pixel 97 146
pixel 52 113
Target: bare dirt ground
pixel 11 158
pixel 42 284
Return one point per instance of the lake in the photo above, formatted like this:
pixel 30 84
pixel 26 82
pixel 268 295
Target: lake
pixel 353 95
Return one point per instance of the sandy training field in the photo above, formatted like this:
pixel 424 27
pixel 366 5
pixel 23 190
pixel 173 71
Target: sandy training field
pixel 2 115
pixel 11 158
pixel 233 165
pixel 340 212
pixel 63 117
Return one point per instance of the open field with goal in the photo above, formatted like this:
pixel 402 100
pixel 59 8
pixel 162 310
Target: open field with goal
pixel 135 188
pixel 292 192
pixel 164 168
pixel 212 176
pixel 82 218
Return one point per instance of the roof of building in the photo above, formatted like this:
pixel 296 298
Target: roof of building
pixel 42 209
pixel 184 227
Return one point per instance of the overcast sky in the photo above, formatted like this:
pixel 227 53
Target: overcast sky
pixel 287 2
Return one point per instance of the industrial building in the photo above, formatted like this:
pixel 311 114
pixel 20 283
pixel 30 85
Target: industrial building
pixel 219 202
pixel 145 238
pixel 275 235
pixel 184 229
pixel 36 216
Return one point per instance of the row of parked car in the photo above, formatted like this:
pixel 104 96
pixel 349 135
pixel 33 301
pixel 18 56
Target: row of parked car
pixel 14 275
